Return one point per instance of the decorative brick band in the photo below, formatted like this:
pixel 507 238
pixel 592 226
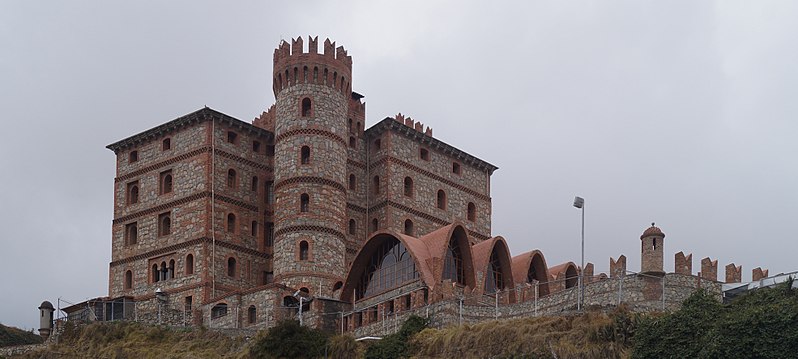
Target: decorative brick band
pixel 309 228
pixel 164 163
pixel 182 201
pixel 306 274
pixel 429 174
pixel 187 155
pixel 243 160
pixel 310 131
pixel 162 207
pixel 237 202
pixel 186 244
pixel 311 180
pixel 355 207
pixel 354 163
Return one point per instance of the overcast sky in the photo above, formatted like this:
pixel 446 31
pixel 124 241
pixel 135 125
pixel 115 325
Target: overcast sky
pixel 678 112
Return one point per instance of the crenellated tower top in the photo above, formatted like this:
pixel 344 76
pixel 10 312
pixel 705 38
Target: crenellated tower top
pixel 292 65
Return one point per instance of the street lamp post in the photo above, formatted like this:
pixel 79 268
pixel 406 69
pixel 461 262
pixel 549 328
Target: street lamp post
pixel 579 202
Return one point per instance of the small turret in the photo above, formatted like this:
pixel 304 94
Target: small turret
pixel 652 242
pixel 46 319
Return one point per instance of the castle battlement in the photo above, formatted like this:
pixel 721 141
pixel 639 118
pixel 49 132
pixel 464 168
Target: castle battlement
pixel 416 125
pixel 292 65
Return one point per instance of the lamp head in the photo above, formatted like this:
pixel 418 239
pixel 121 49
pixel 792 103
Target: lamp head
pixel 579 202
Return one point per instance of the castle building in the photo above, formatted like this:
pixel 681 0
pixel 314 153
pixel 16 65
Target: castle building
pixel 229 223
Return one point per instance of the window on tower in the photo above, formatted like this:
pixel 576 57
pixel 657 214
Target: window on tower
pixel 307 110
pixel 166 182
pixel 166 144
pixel 408 187
pixel 441 203
pixel 304 202
pixel 164 224
pixel 231 223
pixel 133 192
pixel 303 250
pixel 305 155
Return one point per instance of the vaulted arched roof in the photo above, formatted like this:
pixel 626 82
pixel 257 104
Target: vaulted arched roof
pixel 417 248
pixel 523 263
pixel 482 252
pixel 438 241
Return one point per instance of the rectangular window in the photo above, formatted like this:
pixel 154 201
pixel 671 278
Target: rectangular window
pixel 232 137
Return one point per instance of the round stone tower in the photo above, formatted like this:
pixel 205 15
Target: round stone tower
pixel 312 92
pixel 652 242
pixel 46 319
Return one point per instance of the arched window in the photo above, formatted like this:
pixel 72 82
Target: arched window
pixel 231 267
pixel 303 250
pixel 571 277
pixel 352 182
pixel 376 184
pixel 166 182
pixel 219 310
pixel 375 224
pixel 133 192
pixel 408 227
pixel 231 178
pixel 164 224
pixel 305 74
pixel 171 270
pixel 189 264
pixel 315 75
pixel 305 155
pixel 128 280
pixel 337 285
pixel 254 185
pixel 352 227
pixel 304 202
pixel 441 199
pixel 453 264
pixel 306 108
pixel 390 266
pixel 494 280
pixel 252 313
pixel 131 233
pixel 350 125
pixel 163 272
pixel 352 142
pixel 231 223
pixel 155 273
pixel 408 187
pixel 472 212
pixel 166 144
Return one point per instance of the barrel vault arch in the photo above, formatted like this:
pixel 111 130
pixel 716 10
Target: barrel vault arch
pixel 363 260
pixel 531 266
pixel 484 253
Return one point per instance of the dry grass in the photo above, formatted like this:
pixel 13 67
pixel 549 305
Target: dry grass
pixel 592 335
pixel 132 340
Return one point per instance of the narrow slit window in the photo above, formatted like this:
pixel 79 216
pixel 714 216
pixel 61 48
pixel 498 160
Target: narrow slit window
pixel 307 109
pixel 305 155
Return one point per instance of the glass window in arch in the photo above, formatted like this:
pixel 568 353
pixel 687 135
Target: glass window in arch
pixel 390 266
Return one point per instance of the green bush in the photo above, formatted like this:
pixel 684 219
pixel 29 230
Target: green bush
pixel 760 324
pixel 288 339
pixel 396 345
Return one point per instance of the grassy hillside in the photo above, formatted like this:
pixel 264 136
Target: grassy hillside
pixel 14 336
pixel 133 340
pixel 593 335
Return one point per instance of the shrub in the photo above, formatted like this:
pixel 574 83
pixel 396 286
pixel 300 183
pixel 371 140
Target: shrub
pixel 288 339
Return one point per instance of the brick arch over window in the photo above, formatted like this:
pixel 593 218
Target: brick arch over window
pixel 531 266
pixel 362 264
pixel 444 243
pixel 492 258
